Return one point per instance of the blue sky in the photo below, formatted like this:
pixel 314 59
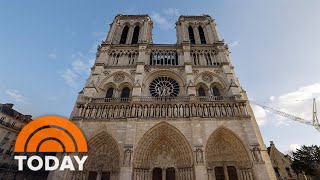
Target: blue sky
pixel 47 49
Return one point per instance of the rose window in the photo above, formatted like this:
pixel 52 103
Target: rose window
pixel 164 87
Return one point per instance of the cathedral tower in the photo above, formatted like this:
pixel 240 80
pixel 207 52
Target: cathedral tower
pixel 167 111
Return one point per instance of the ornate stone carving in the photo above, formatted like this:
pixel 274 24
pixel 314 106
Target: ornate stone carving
pixel 127 159
pixel 104 153
pixel 207 78
pixel 218 71
pixel 106 72
pixel 256 152
pixel 161 145
pixel 118 78
pixel 132 72
pixel 195 72
pixel 199 154
pixel 224 146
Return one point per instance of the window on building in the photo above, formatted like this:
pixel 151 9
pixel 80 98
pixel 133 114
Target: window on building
pixel 125 93
pixel 191 35
pixel 201 91
pixel 202 36
pixel 215 91
pixel 109 93
pixel 13 124
pixel 135 36
pixel 288 172
pixel 232 173
pixel 276 170
pixel 219 173
pixel 124 35
pixel 2 119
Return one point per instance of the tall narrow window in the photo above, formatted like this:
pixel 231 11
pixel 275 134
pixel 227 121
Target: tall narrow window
pixel 202 36
pixel 232 173
pixel 215 91
pixel 135 36
pixel 109 93
pixel 125 93
pixel 124 35
pixel 219 172
pixel 191 35
pixel 201 92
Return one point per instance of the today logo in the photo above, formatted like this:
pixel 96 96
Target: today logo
pixel 50 134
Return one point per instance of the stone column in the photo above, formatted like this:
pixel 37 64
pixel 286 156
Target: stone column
pixel 225 172
pixel 98 175
pixel 130 34
pixel 163 174
pixel 196 35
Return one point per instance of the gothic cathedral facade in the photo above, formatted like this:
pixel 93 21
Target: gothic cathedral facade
pixel 167 111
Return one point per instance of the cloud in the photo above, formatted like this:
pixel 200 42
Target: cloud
pixel 52 56
pixel 80 68
pixel 294 147
pixel 171 12
pixel 297 103
pixel 70 77
pixel 162 21
pixel 234 43
pixel 260 114
pixel 15 94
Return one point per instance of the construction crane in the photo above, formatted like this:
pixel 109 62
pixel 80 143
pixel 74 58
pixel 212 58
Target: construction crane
pixel 314 122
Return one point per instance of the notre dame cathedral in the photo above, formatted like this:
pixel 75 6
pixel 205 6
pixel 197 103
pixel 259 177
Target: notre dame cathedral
pixel 167 111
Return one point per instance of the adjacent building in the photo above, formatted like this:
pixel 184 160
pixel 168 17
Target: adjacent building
pixel 282 164
pixel 11 123
pixel 167 111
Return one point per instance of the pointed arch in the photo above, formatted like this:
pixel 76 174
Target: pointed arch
pixel 124 35
pixel 104 154
pixel 161 142
pixel 202 36
pixel 191 35
pixel 224 146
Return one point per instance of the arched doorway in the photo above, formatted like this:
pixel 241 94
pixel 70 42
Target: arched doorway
pixel 170 174
pixel 164 151
pixel 226 156
pixel 157 174
pixel 104 157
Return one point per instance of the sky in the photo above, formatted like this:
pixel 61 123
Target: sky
pixel 48 47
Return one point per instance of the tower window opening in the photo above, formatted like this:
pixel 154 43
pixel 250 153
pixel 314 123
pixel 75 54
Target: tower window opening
pixel 202 36
pixel 109 93
pixel 135 36
pixel 215 91
pixel 124 35
pixel 191 35
pixel 125 93
pixel 201 91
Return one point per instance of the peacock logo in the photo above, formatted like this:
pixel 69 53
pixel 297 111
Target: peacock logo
pixel 50 134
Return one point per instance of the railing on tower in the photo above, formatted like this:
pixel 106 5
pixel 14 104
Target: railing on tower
pixel 164 58
pixel 157 107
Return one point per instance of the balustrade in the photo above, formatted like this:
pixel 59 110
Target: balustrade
pixel 157 107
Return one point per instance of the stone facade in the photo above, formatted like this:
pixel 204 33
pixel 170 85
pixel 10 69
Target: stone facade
pixel 167 111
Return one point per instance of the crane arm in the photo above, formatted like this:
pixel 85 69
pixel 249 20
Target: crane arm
pixel 292 117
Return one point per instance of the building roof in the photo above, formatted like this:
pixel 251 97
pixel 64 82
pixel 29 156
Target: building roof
pixel 8 110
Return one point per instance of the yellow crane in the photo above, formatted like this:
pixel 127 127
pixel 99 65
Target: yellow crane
pixel 314 122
